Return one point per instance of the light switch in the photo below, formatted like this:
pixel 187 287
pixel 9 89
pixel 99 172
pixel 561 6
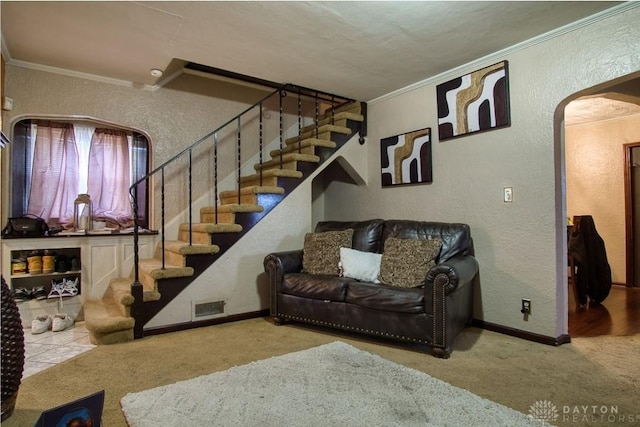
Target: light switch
pixel 508 194
pixel 7 103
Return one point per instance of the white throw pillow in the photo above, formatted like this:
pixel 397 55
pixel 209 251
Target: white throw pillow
pixel 360 265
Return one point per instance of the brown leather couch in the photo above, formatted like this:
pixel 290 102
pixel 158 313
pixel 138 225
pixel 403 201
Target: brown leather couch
pixel 430 315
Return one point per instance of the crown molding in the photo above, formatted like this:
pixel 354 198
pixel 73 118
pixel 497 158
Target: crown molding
pixel 80 75
pixel 5 50
pixel 499 55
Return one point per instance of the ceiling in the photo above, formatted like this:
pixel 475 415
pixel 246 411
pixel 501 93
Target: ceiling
pixel 359 49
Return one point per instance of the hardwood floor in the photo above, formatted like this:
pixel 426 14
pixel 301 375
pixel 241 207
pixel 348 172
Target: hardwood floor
pixel 618 315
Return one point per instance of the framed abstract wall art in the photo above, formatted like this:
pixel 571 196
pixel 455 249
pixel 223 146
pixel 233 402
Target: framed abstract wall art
pixel 406 159
pixel 475 102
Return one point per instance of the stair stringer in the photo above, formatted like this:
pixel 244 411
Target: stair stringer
pixel 237 277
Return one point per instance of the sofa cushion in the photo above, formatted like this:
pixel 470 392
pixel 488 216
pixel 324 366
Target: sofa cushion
pixel 329 288
pixel 385 298
pixel 406 262
pixel 359 265
pixel 367 235
pixel 456 237
pixel 321 253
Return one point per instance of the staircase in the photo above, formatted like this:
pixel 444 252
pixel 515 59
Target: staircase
pixel 129 303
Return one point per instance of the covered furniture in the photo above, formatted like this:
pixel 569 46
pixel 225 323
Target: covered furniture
pixel 590 270
pixel 416 300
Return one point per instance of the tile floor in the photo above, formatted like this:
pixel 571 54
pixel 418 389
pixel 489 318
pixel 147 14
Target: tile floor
pixel 45 350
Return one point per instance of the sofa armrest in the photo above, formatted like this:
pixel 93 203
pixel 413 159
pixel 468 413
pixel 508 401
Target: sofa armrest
pixel 284 262
pixel 449 288
pixel 452 274
pixel 276 265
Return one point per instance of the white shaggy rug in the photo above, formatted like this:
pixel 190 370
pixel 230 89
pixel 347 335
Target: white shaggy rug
pixel 333 384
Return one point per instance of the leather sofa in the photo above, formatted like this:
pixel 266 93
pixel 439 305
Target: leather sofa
pixel 430 314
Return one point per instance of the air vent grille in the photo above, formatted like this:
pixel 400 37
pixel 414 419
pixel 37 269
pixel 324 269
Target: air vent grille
pixel 207 309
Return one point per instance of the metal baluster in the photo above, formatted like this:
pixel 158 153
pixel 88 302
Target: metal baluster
pixel 317 115
pixel 282 95
pixel 215 172
pixel 299 122
pixel 162 216
pixel 260 142
pixel 333 104
pixel 239 157
pixel 190 198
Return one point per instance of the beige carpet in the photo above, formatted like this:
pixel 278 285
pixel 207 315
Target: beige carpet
pixel 601 372
pixel 330 385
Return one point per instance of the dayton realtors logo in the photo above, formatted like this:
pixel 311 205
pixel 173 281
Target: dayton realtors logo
pixel 546 412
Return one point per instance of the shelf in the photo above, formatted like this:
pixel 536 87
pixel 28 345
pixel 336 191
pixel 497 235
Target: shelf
pixel 54 274
pixel 75 299
pixel 62 255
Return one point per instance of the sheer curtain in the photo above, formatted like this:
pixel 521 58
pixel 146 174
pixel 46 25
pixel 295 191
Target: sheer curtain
pixel 54 178
pixel 110 176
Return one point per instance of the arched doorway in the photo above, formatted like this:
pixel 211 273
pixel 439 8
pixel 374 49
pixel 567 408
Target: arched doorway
pixel 596 124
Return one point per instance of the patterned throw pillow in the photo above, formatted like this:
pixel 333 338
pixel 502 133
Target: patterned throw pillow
pixel 322 251
pixel 406 262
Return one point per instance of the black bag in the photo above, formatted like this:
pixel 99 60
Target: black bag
pixel 26 226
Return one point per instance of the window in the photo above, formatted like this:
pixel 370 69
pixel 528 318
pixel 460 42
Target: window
pixel 54 160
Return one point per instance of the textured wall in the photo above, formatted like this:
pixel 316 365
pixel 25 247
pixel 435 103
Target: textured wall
pixel 595 181
pixel 174 117
pixel 518 245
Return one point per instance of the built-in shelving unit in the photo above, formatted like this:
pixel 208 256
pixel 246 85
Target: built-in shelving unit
pixel 62 268
pixel 100 258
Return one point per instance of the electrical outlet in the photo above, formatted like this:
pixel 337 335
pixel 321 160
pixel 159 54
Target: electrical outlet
pixel 526 306
pixel 508 194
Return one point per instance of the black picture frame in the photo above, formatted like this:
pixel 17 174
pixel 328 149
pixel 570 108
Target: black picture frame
pixel 406 158
pixel 475 102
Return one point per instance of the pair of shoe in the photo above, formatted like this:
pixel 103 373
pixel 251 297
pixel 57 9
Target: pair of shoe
pixel 25 294
pixel 59 322
pixel 64 288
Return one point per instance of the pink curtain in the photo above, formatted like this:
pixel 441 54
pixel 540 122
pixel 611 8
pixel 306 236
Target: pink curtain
pixel 109 177
pixel 54 179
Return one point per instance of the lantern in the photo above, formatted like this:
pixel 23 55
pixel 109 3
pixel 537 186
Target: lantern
pixel 82 213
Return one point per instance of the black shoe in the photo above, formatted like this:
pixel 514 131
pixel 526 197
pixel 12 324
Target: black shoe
pixel 22 294
pixel 39 293
pixel 62 264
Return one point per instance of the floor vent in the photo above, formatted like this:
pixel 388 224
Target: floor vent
pixel 206 309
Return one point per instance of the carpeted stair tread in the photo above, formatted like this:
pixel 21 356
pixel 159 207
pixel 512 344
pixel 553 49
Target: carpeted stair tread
pixel 282 173
pixel 103 316
pixel 287 158
pixel 305 143
pixel 325 129
pixel 232 207
pixel 184 248
pixel 153 268
pixel 209 227
pixel 345 115
pixel 255 189
pixel 120 291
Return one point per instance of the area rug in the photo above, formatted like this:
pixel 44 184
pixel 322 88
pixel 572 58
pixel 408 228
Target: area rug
pixel 333 384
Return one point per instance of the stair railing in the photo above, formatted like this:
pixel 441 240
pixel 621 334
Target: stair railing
pixel 318 98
